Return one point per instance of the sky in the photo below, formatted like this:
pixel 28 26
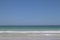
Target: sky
pixel 29 12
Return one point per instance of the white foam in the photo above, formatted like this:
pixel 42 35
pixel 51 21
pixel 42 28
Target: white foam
pixel 29 31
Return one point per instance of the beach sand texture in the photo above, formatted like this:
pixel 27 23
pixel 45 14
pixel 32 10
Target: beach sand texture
pixel 29 38
pixel 26 35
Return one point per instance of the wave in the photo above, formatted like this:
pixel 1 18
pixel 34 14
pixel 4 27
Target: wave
pixel 29 31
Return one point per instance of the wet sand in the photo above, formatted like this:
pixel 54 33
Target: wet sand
pixel 29 36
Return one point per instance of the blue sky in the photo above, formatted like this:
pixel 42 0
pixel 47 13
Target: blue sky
pixel 29 12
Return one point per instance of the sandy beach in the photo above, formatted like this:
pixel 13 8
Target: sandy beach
pixel 27 36
pixel 30 38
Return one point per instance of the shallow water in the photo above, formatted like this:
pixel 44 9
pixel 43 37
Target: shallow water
pixel 30 28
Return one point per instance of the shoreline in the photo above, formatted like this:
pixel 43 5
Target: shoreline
pixel 27 35
pixel 30 32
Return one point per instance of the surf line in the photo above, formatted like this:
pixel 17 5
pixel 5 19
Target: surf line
pixel 29 31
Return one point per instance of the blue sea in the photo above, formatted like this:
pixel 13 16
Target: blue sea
pixel 30 28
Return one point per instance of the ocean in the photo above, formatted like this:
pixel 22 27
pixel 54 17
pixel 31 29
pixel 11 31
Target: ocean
pixel 30 31
pixel 30 28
